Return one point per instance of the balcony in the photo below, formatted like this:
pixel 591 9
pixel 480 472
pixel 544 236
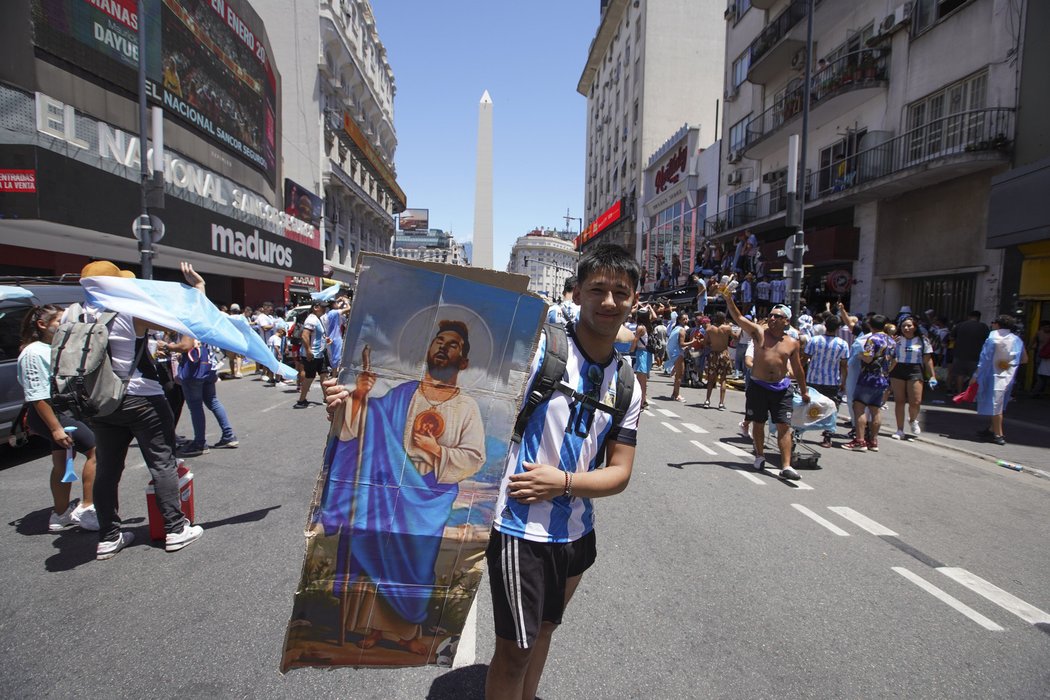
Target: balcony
pixel 778 44
pixel 838 87
pixel 763 4
pixel 944 149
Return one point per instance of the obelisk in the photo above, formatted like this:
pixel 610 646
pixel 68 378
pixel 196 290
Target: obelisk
pixel 483 187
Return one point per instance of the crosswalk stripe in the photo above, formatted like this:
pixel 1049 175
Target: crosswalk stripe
pixel 649 413
pixel 835 529
pixel 671 427
pixel 733 450
pixel 862 521
pixel 1007 601
pixel 749 476
pixel 695 428
pixel 948 599
pixel 703 447
pixel 669 414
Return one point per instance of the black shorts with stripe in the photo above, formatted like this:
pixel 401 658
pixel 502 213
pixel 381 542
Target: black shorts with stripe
pixel 528 581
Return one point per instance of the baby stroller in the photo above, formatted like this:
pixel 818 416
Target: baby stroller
pixel 819 414
pixel 693 367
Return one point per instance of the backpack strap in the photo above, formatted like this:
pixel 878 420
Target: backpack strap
pixel 547 379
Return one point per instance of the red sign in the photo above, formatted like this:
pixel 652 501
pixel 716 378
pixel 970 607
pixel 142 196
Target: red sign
pixel 671 170
pixel 17 181
pixel 607 218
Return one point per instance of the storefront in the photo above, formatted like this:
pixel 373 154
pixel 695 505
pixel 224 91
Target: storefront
pixel 610 227
pixel 827 268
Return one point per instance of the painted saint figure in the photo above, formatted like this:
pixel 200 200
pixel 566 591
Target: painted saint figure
pixel 394 473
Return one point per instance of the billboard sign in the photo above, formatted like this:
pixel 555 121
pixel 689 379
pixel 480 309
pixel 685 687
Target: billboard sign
pixel 414 220
pixel 305 206
pixel 208 63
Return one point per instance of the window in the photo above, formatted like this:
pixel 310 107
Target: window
pixel 738 134
pixel 740 68
pixel 946 120
pixel 926 13
pixel 838 163
pixel 741 6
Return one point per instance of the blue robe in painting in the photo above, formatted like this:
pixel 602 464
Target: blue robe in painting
pixel 398 515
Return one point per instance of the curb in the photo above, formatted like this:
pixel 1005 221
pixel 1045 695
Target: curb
pixel 980 455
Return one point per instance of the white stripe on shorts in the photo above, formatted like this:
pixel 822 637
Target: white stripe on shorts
pixel 512 587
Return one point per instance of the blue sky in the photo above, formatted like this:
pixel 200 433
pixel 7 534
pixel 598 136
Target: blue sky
pixel 529 56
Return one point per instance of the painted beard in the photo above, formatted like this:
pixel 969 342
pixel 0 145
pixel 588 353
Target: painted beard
pixel 444 373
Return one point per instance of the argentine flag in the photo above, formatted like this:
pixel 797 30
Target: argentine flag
pixel 326 294
pixel 184 310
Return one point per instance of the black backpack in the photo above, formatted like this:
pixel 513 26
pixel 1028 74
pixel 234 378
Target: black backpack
pixel 549 379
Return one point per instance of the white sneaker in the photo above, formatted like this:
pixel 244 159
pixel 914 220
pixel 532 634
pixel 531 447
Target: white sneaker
pixel 899 435
pixel 915 429
pixel 86 518
pixel 62 521
pixel 108 549
pixel 744 429
pixel 760 463
pixel 189 534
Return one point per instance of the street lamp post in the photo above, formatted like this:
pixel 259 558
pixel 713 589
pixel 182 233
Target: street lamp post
pixel 796 200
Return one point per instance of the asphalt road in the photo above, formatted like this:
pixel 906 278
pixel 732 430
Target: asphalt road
pixel 914 572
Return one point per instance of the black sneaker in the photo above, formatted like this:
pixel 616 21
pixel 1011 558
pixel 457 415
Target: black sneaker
pixel 301 404
pixel 232 442
pixel 191 450
pixel 998 440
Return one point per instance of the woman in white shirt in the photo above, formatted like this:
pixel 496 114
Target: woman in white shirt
pixel 34 375
pixel 914 355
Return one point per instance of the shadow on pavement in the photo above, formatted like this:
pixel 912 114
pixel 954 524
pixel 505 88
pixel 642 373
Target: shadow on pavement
pixel 464 683
pixel 77 547
pixel 35 449
pixel 251 516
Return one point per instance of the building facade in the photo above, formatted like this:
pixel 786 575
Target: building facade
pixel 651 67
pixel 70 154
pixel 912 115
pixel 434 245
pixel 358 174
pixel 547 257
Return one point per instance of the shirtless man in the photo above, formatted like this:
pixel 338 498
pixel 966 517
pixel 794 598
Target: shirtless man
pixel 769 394
pixel 719 364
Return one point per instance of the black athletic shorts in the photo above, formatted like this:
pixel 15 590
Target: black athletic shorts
pixel 83 437
pixel 762 403
pixel 908 371
pixel 312 367
pixel 528 582
pixel 829 390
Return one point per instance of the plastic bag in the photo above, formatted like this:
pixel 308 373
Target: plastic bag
pixel 819 414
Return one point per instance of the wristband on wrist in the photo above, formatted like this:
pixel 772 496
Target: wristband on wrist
pixel 568 484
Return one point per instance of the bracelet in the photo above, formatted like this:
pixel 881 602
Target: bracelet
pixel 568 484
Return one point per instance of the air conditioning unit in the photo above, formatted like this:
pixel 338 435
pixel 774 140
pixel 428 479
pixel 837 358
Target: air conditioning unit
pixel 771 177
pixel 734 178
pixel 731 93
pixel 735 156
pixel 798 61
pixel 730 13
pixel 897 19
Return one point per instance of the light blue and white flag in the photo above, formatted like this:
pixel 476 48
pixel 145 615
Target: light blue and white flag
pixel 184 310
pixel 326 294
pixel 8 293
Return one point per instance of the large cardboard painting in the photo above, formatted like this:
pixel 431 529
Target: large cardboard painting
pixel 436 357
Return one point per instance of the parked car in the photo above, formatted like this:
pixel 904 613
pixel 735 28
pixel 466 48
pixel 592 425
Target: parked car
pixel 12 311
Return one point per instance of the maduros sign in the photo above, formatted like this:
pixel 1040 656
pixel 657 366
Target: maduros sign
pixel 229 242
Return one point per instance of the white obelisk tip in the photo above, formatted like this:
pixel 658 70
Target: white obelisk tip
pixel 486 98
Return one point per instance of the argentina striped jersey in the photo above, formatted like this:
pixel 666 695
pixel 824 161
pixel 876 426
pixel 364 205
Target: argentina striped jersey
pixel 909 351
pixel 825 357
pixel 566 434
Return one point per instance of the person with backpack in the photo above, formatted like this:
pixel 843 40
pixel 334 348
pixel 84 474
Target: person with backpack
pixel 134 408
pixel 543 535
pixel 34 375
pixel 198 378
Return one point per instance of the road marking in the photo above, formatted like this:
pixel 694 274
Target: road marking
pixel 835 529
pixel 733 450
pixel 703 447
pixel 948 599
pixel 749 476
pixel 669 414
pixel 862 521
pixel 648 413
pixel 466 650
pixel 1028 613
pixel 670 427
pixel 276 405
pixel 695 428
